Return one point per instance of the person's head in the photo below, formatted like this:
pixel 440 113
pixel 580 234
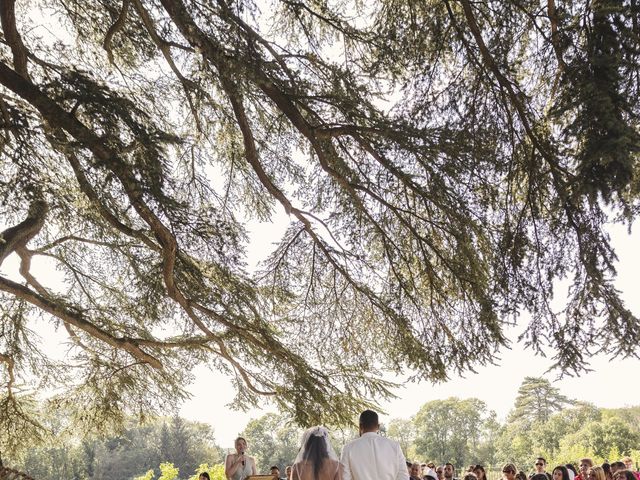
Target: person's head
pixel 315 447
pixel 560 473
pixel 430 474
pixel 615 466
pixel 624 475
pixel 415 470
pixel 287 471
pixel 540 464
pixel 423 468
pixel 275 470
pixel 595 473
pixel 628 463
pixel 584 465
pixel 409 466
pixel 431 465
pixel 369 422
pixel 480 472
pixel 607 471
pixel 440 472
pixel 449 470
pixel 204 476
pixel 509 471
pixel 469 476
pixel 240 444
pixel 521 475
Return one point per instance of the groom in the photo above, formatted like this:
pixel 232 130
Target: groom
pixel 372 457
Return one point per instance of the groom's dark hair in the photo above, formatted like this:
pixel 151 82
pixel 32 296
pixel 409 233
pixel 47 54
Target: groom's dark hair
pixel 368 419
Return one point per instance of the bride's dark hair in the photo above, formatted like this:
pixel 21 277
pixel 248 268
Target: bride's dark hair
pixel 315 451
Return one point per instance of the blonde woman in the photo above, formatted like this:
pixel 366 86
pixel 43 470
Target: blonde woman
pixel 596 473
pixel 239 466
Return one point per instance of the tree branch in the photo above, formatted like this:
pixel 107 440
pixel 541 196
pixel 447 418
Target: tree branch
pixel 11 34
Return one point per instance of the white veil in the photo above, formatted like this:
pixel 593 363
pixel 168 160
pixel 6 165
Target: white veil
pixel 321 434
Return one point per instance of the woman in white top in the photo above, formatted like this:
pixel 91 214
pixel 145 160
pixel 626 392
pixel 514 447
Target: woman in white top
pixel 316 459
pixel 239 466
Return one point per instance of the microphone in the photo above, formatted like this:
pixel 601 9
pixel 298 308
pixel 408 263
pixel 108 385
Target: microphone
pixel 242 455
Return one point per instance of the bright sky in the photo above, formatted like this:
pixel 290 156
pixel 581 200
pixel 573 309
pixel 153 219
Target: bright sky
pixel 496 385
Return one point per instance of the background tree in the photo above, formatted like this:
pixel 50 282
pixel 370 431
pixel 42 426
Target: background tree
pixel 404 432
pixel 537 400
pixel 450 430
pixel 273 440
pixel 436 183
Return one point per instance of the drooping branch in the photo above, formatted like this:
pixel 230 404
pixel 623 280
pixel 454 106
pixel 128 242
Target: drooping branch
pixel 77 319
pixel 168 244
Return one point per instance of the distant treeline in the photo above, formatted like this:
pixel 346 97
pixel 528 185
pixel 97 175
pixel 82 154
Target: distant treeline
pixel 543 422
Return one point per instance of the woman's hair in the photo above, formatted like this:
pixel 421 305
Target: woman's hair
pixel 204 475
pixel 469 476
pixel 564 470
pixel 521 475
pixel 624 475
pixel 599 472
pixel 315 451
pixel 607 470
pixel 481 468
pixel 238 439
pixel 509 467
pixel 572 468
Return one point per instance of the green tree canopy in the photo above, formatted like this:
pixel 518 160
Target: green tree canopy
pixel 442 163
pixel 451 430
pixel 537 400
pixel 274 440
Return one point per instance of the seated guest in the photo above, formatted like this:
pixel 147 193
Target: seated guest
pixel 275 471
pixel 430 475
pixel 561 472
pixel 585 464
pixel 414 471
pixel 509 471
pixel 628 464
pixel 449 471
pixel 540 466
pixel 624 475
pixel 480 472
pixel 595 473
pixel 616 466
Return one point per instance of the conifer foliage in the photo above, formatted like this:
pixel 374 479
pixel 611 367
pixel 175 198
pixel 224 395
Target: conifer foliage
pixel 442 164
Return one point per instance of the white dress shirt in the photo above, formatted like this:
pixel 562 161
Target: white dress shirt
pixel 372 457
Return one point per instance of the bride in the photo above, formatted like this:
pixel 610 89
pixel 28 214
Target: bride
pixel 316 459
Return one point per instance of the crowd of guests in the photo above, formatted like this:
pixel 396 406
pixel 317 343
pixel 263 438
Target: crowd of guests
pixel 373 457
pixel 620 470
